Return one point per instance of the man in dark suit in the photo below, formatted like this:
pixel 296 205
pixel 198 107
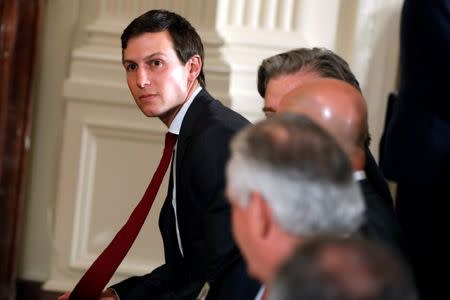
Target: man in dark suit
pixel 281 73
pixel 341 109
pixel 163 58
pixel 416 148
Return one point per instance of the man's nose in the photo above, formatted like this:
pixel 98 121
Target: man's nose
pixel 142 78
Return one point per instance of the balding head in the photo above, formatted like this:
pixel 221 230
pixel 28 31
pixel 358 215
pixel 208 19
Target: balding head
pixel 338 107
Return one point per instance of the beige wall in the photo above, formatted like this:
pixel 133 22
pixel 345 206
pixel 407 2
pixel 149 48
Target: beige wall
pixel 59 36
pixel 82 104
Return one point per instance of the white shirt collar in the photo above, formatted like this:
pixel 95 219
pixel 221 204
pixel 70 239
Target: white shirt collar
pixel 175 126
pixel 359 175
pixel 260 293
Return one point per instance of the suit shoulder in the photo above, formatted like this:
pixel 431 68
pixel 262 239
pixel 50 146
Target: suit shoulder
pixel 217 117
pixel 209 120
pixel 223 114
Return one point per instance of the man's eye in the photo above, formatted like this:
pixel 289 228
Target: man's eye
pixel 156 63
pixel 131 67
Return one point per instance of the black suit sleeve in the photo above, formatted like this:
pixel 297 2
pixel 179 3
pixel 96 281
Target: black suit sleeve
pixel 210 169
pixel 154 286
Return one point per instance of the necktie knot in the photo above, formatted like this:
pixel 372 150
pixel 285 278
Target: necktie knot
pixel 170 141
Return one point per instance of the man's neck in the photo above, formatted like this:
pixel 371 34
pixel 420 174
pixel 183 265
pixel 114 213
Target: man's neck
pixel 170 116
pixel 280 251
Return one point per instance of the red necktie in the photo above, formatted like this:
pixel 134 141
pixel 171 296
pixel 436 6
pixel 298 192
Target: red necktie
pixel 100 272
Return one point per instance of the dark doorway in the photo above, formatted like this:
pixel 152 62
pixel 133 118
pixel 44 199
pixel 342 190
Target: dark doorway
pixel 19 36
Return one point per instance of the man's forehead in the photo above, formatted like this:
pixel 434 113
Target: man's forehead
pixel 300 76
pixel 150 42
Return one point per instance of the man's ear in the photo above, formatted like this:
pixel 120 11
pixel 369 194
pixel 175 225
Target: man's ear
pixel 262 215
pixel 194 66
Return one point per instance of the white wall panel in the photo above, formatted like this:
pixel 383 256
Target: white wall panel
pixel 109 155
pixel 112 156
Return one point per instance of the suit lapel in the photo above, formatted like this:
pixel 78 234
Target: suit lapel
pixel 190 120
pixel 187 127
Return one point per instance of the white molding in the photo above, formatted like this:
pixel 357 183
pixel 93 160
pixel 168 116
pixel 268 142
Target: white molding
pixel 88 124
pixel 107 92
pixel 83 199
pixel 262 38
pixel 80 257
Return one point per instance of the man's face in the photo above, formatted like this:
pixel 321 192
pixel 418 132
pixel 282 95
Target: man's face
pixel 157 79
pixel 279 86
pixel 246 238
pixel 239 222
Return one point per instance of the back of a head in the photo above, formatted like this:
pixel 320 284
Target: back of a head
pixel 186 41
pixel 301 172
pixel 330 268
pixel 320 60
pixel 336 106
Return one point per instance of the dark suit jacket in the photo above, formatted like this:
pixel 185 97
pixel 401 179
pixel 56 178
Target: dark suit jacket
pixel 203 214
pixel 376 178
pixel 416 145
pixel 381 224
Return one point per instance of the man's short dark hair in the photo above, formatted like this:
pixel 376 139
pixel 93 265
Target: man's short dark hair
pixel 323 61
pixel 185 38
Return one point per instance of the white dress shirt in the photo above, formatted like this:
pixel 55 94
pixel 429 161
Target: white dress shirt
pixel 175 127
pixel 260 293
pixel 359 175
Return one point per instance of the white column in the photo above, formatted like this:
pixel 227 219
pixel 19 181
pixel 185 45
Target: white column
pixel 318 21
pixel 269 27
pixel 369 40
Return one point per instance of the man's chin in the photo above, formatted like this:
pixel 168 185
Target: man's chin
pixel 254 273
pixel 151 113
pixel 149 109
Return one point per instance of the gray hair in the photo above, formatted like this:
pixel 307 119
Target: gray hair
pixel 301 172
pixel 320 60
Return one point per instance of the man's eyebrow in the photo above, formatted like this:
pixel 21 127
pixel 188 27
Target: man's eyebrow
pixel 145 58
pixel 127 61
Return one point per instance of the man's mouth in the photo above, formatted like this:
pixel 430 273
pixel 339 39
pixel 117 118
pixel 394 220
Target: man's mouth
pixel 147 97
